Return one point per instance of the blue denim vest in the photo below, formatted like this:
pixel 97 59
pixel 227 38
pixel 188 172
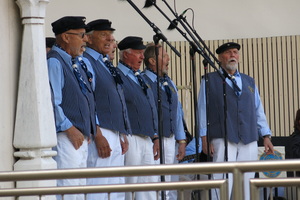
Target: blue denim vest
pixel 241 111
pixel 141 108
pixel 169 111
pixel 79 108
pixel 109 106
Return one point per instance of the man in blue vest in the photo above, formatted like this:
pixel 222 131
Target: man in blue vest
pixel 111 107
pixel 143 142
pixel 172 127
pixel 73 98
pixel 246 120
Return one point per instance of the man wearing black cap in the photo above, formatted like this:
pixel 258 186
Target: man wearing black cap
pixel 246 120
pixel 111 108
pixel 143 143
pixel 73 99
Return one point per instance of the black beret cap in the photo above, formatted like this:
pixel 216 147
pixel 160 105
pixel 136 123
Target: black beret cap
pixel 66 23
pixel 228 45
pixel 50 41
pixel 100 25
pixel 131 42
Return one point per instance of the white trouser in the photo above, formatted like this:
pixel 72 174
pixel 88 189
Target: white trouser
pixel 169 158
pixel 68 157
pixel 116 159
pixel 236 152
pixel 140 152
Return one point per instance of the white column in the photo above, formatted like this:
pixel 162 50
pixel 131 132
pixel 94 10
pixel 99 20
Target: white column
pixel 35 133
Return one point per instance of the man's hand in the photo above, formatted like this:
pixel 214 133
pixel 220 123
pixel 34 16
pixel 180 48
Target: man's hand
pixel 204 147
pixel 269 148
pixel 156 150
pixel 75 137
pixel 102 145
pixel 181 151
pixel 124 143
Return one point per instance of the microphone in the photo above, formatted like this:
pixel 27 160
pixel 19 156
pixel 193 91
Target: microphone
pixel 174 23
pixel 183 13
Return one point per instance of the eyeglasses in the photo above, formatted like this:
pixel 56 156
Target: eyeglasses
pixel 79 34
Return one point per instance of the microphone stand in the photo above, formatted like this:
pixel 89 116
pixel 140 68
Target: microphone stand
pixel 158 35
pixel 154 27
pixel 197 47
pixel 205 63
pixel 208 158
pixel 156 39
pixel 200 39
pixel 192 55
pixel 224 86
pixel 209 52
pixel 153 2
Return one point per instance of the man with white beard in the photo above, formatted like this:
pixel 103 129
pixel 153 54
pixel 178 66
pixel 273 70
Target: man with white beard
pixel 246 120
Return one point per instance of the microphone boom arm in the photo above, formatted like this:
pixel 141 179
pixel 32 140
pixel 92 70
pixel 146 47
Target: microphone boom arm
pixel 154 27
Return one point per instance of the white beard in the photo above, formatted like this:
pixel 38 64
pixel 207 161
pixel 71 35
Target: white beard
pixel 231 67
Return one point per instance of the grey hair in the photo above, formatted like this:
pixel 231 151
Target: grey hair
pixel 121 52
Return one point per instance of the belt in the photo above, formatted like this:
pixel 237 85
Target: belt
pixel 171 135
pixel 141 135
